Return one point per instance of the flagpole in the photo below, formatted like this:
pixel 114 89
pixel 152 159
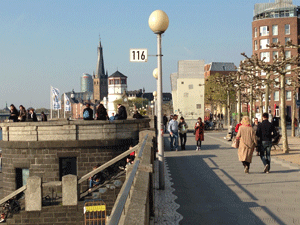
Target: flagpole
pixel 51 103
pixel 64 105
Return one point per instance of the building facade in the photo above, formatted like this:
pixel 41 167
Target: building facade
pixel 86 83
pixel 276 23
pixel 100 79
pixel 188 90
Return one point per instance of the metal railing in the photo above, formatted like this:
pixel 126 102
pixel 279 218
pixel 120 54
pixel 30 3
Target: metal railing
pixel 124 192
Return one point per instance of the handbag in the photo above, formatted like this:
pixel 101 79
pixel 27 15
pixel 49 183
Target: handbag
pixel 235 143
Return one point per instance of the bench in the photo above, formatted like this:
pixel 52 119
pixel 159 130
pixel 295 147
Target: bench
pixel 276 142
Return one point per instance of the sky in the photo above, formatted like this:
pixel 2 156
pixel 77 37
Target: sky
pixel 52 43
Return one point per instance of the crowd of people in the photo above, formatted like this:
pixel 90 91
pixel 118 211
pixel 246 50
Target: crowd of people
pixel 101 113
pixel 24 115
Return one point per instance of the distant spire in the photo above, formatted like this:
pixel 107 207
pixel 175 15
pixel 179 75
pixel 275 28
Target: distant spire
pixel 100 62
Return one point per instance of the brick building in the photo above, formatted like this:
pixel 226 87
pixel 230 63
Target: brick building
pixel 276 23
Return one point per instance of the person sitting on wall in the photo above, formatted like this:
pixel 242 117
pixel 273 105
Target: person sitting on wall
pixel 96 179
pixel 137 115
pixel 33 115
pixel 44 116
pixel 13 113
pixel 122 114
pixel 88 112
pixel 112 117
pixel 102 113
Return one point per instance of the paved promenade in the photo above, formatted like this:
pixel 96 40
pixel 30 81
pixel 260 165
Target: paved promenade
pixel 210 187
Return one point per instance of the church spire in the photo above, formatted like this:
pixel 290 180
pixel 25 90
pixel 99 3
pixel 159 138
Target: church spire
pixel 100 62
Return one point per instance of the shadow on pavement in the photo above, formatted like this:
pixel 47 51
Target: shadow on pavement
pixel 205 199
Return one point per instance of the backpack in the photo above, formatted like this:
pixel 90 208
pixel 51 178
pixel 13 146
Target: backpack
pixel 86 114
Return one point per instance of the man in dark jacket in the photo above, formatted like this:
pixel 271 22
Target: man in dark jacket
pixel 165 122
pixel 88 112
pixel 122 114
pixel 266 131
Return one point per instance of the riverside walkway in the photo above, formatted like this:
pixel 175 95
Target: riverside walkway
pixel 210 186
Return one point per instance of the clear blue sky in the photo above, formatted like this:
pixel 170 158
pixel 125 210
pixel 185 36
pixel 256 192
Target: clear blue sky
pixel 45 43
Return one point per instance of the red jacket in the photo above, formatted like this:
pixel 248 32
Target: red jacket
pixel 237 127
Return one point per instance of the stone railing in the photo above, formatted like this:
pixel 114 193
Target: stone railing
pixel 76 130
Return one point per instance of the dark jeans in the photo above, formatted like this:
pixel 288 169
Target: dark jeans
pixel 265 150
pixel 182 140
pixel 246 164
pixel 93 183
pixel 199 144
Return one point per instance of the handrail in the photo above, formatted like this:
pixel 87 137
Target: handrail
pixel 124 192
pixel 107 164
pixel 13 194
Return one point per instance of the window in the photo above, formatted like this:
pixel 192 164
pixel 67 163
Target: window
pixel 182 82
pixel 275 55
pixel 264 43
pixel 288 81
pixel 275 29
pixel 288 69
pixel 276 85
pixel 111 81
pixel 117 81
pixel 288 95
pixel 275 40
pixel 263 73
pixel 287 39
pixel 255 32
pixel 67 165
pixel 287 29
pixel 264 31
pixel 265 56
pixel 123 81
pixel 186 95
pixel 288 54
pixel 255 45
pixel 191 86
pixel 276 95
pixel 198 106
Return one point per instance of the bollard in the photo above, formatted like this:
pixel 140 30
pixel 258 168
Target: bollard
pixel 33 194
pixel 69 190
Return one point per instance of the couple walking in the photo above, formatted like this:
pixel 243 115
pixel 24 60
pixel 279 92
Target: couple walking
pixel 248 140
pixel 174 128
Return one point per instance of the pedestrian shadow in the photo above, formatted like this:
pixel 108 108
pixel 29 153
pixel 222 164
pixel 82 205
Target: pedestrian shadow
pixel 278 171
pixel 204 198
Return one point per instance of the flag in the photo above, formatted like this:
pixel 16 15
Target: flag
pixel 55 98
pixel 67 103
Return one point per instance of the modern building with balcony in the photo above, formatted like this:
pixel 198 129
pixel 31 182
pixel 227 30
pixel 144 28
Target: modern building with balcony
pixel 277 22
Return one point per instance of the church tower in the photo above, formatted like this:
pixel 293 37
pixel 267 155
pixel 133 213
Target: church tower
pixel 100 80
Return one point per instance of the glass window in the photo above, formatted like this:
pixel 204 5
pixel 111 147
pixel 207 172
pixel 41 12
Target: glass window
pixel 117 81
pixel 264 43
pixel 287 29
pixel 287 39
pixel 263 73
pixel 265 56
pixel 255 32
pixel 123 81
pixel 275 54
pixel 288 69
pixel 288 81
pixel 288 54
pixel 276 95
pixel 191 86
pixel 186 95
pixel 275 40
pixel 255 45
pixel 288 95
pixel 198 106
pixel 275 29
pixel 264 31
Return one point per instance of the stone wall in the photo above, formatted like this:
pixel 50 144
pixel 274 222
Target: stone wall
pixel 38 146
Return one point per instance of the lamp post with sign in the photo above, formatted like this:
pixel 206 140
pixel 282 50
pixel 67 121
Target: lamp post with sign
pixel 158 23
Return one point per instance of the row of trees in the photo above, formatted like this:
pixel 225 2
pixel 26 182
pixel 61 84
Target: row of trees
pixel 255 79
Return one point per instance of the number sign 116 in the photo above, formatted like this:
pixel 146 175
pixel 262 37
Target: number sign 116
pixel 138 55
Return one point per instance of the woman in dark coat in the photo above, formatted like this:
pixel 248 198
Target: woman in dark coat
pixel 22 113
pixel 13 113
pixel 102 113
pixel 199 133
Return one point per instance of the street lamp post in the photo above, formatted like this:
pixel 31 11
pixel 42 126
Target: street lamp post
pixel 158 23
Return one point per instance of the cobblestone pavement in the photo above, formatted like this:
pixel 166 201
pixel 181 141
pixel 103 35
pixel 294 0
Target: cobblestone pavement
pixel 212 188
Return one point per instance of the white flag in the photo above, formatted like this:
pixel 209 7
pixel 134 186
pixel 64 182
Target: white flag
pixel 67 103
pixel 55 98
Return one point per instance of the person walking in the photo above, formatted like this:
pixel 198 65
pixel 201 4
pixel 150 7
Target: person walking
pixel 199 133
pixel 101 112
pixel 182 127
pixel 165 122
pixel 255 126
pixel 247 138
pixel 173 131
pixel 266 131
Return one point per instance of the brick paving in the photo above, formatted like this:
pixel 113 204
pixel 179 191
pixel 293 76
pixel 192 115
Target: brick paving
pixel 210 187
